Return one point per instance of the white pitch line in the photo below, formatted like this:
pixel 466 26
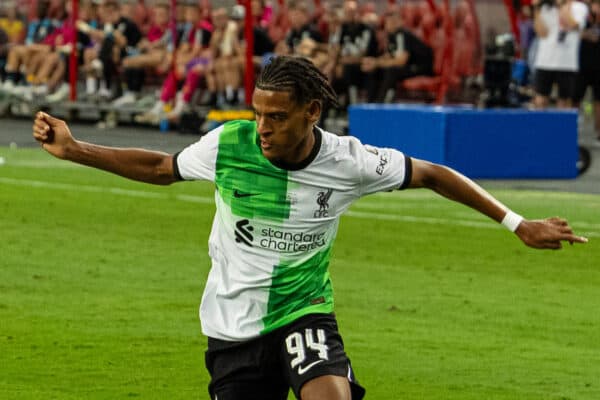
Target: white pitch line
pixel 426 220
pixel 42 164
pixel 592 230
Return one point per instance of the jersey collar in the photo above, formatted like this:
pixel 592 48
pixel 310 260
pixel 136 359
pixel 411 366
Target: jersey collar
pixel 304 163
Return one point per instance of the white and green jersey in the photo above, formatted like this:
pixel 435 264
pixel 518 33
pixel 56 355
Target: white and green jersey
pixel 274 228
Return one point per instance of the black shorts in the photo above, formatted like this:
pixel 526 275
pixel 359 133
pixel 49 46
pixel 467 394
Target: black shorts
pixel 544 79
pixel 587 78
pixel 266 367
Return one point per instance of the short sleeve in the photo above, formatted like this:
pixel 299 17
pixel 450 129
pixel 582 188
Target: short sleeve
pixel 198 161
pixel 382 169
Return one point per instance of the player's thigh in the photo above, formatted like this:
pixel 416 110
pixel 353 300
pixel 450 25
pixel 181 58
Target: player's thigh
pixel 329 387
pixel 251 390
pixel 244 371
pixel 312 348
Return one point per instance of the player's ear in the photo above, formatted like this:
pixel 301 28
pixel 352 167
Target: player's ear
pixel 313 111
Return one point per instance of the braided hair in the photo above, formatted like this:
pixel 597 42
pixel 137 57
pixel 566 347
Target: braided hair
pixel 300 77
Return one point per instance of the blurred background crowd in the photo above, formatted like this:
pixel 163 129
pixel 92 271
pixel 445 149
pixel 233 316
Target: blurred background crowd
pixel 162 59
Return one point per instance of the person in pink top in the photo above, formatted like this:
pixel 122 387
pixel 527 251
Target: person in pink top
pixel 192 55
pixel 49 69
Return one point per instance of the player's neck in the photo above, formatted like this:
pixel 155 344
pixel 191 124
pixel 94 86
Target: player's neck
pixel 306 152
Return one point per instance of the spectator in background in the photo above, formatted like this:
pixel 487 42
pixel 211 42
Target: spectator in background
pixel 317 53
pixel 49 67
pixel 55 72
pixel 226 50
pixel 589 64
pixel 192 53
pixel 279 24
pixel 117 37
pixel 558 27
pixel 405 56
pixel 263 46
pixel 57 37
pixel 227 69
pixel 19 56
pixel 331 28
pixel 301 28
pixel 52 27
pixel 11 24
pixel 138 12
pixel 12 32
pixel 526 31
pixel 151 52
pixel 4 45
pixel 262 13
pixel 357 41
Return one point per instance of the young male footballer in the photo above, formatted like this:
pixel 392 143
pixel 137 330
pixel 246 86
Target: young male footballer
pixel 282 184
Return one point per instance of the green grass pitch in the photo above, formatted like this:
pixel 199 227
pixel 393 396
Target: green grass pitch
pixel 101 277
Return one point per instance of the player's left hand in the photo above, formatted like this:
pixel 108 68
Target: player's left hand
pixel 547 233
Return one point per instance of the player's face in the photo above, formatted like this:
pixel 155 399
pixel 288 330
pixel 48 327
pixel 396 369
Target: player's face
pixel 285 127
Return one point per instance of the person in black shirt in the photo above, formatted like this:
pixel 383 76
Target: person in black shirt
pixel 406 56
pixel 118 36
pixel 357 41
pixel 263 45
pixel 301 28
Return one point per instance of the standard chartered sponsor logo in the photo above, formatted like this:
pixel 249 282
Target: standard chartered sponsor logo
pixel 278 239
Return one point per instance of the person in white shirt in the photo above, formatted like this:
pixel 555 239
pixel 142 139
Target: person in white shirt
pixel 558 25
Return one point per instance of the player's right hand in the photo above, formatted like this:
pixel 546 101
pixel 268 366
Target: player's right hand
pixel 53 134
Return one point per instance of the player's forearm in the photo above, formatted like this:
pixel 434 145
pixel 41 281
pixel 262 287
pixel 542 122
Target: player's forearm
pixel 458 187
pixel 137 164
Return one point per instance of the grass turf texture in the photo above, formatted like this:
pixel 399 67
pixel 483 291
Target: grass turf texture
pixel 100 279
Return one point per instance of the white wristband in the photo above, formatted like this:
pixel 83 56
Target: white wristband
pixel 511 221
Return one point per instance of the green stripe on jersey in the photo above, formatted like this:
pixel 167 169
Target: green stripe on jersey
pixel 299 289
pixel 254 188
pixel 246 180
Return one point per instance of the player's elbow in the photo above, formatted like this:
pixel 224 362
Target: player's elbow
pixel 426 174
pixel 163 173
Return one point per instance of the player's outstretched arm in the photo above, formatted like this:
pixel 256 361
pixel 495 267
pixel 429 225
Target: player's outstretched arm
pixel 137 164
pixel 541 234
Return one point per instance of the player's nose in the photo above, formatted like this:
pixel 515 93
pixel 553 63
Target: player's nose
pixel 262 127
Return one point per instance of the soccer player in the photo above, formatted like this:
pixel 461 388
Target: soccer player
pixel 282 184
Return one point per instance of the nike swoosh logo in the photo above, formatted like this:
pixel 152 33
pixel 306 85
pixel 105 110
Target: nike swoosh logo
pixel 238 194
pixel 302 371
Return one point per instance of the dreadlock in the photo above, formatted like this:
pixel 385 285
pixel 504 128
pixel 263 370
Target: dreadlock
pixel 300 77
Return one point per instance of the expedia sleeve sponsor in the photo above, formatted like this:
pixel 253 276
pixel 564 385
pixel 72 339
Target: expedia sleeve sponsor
pixel 383 161
pixel 381 169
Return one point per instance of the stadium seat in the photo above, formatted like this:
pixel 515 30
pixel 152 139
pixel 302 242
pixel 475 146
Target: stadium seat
pixel 464 59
